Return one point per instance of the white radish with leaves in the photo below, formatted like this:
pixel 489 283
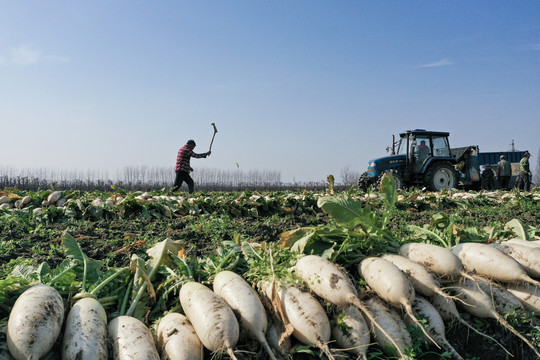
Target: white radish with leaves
pixel 435 258
pixel 478 303
pixel 85 334
pixel 351 332
pixel 395 331
pixel 308 318
pixel 526 256
pixel 177 339
pixel 331 283
pixel 488 261
pixel 390 283
pixel 211 317
pixel 35 322
pixel 131 339
pixel 435 325
pixel 243 299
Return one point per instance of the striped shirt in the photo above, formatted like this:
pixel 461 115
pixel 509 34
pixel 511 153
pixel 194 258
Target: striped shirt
pixel 184 155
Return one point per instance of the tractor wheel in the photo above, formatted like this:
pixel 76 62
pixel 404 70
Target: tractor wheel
pixel 441 176
pixel 364 182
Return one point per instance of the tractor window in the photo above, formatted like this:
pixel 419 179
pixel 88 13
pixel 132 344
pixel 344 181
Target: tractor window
pixel 402 148
pixel 440 146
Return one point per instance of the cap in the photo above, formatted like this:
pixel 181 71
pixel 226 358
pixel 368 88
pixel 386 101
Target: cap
pixel 527 153
pixel 501 157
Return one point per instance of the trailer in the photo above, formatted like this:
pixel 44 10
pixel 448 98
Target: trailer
pixel 471 163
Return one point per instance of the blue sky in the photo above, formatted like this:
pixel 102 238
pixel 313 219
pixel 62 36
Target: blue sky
pixel 307 88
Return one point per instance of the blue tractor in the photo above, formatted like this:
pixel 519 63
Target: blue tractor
pixel 423 159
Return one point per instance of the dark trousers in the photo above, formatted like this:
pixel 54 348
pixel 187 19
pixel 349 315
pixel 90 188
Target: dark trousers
pixel 524 182
pixel 182 176
pixel 503 182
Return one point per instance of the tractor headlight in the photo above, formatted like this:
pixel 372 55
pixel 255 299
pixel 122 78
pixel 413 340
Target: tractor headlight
pixel 372 164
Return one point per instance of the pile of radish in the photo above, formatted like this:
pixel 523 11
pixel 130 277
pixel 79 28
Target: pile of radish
pixel 423 286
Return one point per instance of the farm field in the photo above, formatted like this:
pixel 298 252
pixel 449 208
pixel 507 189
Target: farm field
pixel 155 242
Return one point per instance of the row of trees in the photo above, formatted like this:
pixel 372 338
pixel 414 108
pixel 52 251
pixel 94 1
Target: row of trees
pixel 152 178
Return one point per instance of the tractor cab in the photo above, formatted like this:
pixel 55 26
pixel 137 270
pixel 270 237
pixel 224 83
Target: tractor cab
pixel 420 147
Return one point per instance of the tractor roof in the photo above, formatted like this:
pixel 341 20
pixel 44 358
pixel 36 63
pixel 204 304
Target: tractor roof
pixel 424 132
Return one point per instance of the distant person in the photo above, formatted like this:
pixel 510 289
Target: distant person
pixel 525 173
pixel 504 172
pixel 183 167
pixel 422 150
pixel 423 146
pixel 487 180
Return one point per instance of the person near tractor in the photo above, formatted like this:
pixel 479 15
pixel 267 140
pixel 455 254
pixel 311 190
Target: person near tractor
pixel 525 173
pixel 487 179
pixel 504 172
pixel 183 167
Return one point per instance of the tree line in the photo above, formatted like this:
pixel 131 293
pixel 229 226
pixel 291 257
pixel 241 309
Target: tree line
pixel 144 178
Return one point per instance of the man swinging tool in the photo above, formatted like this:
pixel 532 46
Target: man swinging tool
pixel 183 167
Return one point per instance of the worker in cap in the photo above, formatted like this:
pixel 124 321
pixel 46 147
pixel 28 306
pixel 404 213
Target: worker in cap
pixel 525 172
pixel 183 167
pixel 504 172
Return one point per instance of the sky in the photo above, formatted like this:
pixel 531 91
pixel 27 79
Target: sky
pixel 307 88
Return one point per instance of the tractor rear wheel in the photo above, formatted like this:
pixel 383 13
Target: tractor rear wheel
pixel 441 176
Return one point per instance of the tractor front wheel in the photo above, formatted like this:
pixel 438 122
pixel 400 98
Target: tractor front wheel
pixel 441 176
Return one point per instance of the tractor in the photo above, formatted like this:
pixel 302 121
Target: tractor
pixel 423 159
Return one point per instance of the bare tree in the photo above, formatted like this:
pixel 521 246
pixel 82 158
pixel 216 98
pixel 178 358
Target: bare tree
pixel 349 177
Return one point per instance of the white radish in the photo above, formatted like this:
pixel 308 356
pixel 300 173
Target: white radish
pixel 435 324
pixel 308 318
pixel 447 310
pixel 177 339
pixel 35 322
pixel 390 283
pixel 395 329
pixel 530 243
pixel 435 258
pixel 273 341
pixel 131 339
pixel 351 332
pixel 85 334
pixel 54 197
pixel 528 294
pixel 504 301
pixel 245 302
pixel 211 317
pixel 526 256
pixel 423 281
pixel 478 303
pixel 488 261
pixel 331 283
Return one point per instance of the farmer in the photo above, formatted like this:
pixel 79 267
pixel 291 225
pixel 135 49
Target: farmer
pixel 504 172
pixel 182 165
pixel 524 172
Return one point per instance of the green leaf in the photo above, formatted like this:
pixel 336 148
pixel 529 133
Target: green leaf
pixel 522 231
pixel 389 189
pixel 344 209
